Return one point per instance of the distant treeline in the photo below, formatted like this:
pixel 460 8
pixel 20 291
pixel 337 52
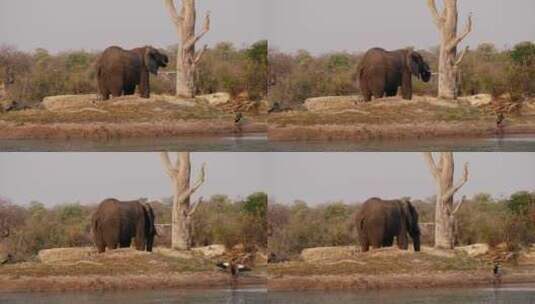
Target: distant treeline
pixel 296 77
pixel 218 220
pixel 482 219
pixel 30 76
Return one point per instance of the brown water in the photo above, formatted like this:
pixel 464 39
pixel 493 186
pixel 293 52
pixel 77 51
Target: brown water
pixel 216 296
pixel 260 143
pixel 511 295
pixel 514 294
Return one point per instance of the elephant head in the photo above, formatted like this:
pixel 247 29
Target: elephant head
pixel 150 229
pixel 154 59
pixel 411 216
pixel 418 66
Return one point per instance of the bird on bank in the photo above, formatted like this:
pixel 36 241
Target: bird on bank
pixel 497 272
pixel 238 117
pixel 233 268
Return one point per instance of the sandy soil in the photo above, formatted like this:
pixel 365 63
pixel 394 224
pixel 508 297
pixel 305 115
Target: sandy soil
pixel 122 269
pixel 126 117
pixel 393 118
pixel 392 268
pixel 107 131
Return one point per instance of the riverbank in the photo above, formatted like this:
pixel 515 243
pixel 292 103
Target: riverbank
pixel 123 269
pixel 344 119
pixel 82 117
pixel 393 269
pixel 101 131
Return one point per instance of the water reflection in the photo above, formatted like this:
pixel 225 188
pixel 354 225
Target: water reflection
pixel 510 295
pixel 221 296
pixel 261 143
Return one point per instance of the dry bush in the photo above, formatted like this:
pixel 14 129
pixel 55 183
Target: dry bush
pixel 33 76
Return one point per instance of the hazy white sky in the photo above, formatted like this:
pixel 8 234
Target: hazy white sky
pixel 97 24
pixel 314 177
pixel 321 26
pixel 314 25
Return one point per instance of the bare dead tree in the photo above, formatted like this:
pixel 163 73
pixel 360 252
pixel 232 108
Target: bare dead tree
pixel 187 58
pixel 445 209
pixel 183 210
pixel 446 22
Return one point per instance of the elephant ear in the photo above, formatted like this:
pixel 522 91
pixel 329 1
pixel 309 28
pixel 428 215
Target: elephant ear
pixel 149 215
pixel 412 217
pixel 150 61
pixel 413 63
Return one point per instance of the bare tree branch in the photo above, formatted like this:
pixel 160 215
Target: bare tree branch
pixel 449 193
pixel 460 38
pixel 437 18
pixel 199 54
pixel 183 196
pixel 459 205
pixel 428 156
pixel 171 8
pixel 193 208
pixel 188 44
pixel 461 56
pixel 169 168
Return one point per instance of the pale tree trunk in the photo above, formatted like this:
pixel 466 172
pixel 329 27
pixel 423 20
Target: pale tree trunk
pixel 187 59
pixel 445 209
pixel 446 22
pixel 183 210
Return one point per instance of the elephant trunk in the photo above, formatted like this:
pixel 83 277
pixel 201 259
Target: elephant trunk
pixel 416 242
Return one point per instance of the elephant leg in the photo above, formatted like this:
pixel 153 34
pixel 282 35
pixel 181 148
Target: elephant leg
pixel 103 90
pixel 364 242
pixel 377 85
pixel 403 242
pixel 139 244
pixel 99 242
pixel 116 92
pixel 111 240
pixel 406 86
pixel 378 92
pixel 376 242
pixel 125 244
pixel 388 241
pixel 129 89
pixel 365 245
pixel 116 87
pixel 365 90
pixel 392 92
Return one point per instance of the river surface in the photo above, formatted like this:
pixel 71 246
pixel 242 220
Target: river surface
pixel 260 143
pixel 521 294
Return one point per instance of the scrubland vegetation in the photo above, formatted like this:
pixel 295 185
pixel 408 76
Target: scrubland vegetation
pixel 219 220
pixel 482 219
pixel 486 69
pixel 31 76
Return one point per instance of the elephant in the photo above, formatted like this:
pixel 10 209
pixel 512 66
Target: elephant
pixel 115 223
pixel 119 71
pixel 382 72
pixel 379 221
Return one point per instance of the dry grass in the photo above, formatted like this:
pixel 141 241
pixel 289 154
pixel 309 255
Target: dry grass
pixel 121 269
pixel 123 118
pixel 390 268
pixel 394 119
pixel 384 261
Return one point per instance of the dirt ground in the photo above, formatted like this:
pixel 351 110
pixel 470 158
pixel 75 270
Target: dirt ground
pixel 127 117
pixel 392 268
pixel 123 269
pixel 393 118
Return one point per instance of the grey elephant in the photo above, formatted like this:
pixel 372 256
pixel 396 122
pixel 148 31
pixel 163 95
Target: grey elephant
pixel 115 223
pixel 119 71
pixel 379 221
pixel 382 72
